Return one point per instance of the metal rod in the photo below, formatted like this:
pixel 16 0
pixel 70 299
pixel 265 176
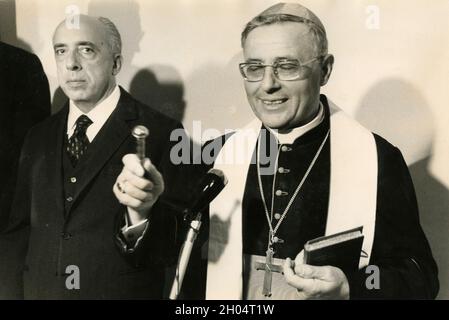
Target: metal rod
pixel 140 133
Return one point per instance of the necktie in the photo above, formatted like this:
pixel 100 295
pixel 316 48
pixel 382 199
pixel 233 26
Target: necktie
pixel 78 142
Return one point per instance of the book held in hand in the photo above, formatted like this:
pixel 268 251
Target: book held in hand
pixel 341 250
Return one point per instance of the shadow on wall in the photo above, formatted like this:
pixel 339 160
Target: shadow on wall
pixel 161 88
pixel 8 25
pixel 217 93
pixel 396 110
pixel 433 201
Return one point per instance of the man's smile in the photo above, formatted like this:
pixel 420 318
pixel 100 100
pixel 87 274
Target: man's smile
pixel 273 103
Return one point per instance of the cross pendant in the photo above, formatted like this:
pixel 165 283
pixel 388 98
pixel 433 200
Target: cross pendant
pixel 268 267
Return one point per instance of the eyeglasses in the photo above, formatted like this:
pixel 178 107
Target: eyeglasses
pixel 286 70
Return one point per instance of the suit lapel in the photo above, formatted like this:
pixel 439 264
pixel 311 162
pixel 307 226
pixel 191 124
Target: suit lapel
pixel 108 140
pixel 54 164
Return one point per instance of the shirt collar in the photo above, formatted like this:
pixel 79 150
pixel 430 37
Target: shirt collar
pixel 290 137
pixel 98 115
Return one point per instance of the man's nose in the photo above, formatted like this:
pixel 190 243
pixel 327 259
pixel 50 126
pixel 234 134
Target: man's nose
pixel 72 62
pixel 269 81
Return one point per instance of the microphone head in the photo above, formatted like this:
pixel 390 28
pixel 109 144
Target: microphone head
pixel 208 189
pixel 219 174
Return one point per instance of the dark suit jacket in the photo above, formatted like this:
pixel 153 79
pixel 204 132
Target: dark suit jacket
pixel 43 239
pixel 24 101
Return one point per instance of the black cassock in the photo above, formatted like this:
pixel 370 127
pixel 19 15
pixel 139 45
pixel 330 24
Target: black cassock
pixel 400 248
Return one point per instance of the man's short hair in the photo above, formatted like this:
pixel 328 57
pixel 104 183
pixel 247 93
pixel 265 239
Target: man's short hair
pixel 114 39
pixel 317 33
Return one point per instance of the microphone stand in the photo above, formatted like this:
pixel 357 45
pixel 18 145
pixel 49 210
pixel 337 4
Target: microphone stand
pixel 184 256
pixel 211 186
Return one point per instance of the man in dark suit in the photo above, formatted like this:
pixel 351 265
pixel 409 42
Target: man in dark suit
pixel 69 238
pixel 24 101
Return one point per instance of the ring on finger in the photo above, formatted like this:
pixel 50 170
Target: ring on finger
pixel 121 187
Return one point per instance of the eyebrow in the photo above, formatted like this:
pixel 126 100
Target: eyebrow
pixel 81 43
pixel 86 43
pixel 286 58
pixel 275 60
pixel 254 61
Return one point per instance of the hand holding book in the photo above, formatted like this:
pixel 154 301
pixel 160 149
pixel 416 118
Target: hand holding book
pixel 315 282
pixel 319 271
pixel 340 250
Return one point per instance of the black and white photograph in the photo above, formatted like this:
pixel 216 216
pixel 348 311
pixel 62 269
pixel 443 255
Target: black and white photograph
pixel 224 150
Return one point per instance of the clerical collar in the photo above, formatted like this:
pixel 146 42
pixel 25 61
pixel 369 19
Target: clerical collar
pixel 97 115
pixel 290 137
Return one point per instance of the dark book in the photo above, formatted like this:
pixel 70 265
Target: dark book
pixel 341 250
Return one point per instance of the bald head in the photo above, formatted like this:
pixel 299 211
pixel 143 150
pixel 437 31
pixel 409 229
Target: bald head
pixel 103 25
pixel 88 58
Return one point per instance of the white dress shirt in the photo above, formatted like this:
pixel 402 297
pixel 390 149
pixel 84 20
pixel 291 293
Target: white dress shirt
pixel 98 115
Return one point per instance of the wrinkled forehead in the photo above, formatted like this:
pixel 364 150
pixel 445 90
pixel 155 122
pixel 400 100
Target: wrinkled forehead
pixel 87 30
pixel 281 38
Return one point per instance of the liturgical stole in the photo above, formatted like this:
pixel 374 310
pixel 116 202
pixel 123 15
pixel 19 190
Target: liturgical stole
pixel 352 203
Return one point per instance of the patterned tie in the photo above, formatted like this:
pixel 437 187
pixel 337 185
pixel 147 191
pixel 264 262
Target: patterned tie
pixel 78 142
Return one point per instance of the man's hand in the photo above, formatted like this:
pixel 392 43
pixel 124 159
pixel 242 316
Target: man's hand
pixel 314 282
pixel 136 190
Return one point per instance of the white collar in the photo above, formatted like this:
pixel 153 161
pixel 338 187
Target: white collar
pixel 295 133
pixel 98 115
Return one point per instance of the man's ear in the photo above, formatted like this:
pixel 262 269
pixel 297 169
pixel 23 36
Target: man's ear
pixel 117 64
pixel 326 68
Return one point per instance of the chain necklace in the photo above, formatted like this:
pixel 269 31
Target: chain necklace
pixel 272 232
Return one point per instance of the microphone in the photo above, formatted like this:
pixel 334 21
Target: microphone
pixel 209 188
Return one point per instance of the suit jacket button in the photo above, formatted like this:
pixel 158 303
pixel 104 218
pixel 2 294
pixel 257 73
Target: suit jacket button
pixel 280 193
pixel 283 170
pixel 66 235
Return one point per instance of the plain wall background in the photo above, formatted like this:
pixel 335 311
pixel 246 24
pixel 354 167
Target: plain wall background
pixel 181 57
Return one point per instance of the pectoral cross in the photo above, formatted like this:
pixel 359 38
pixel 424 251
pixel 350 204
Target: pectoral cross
pixel 269 268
